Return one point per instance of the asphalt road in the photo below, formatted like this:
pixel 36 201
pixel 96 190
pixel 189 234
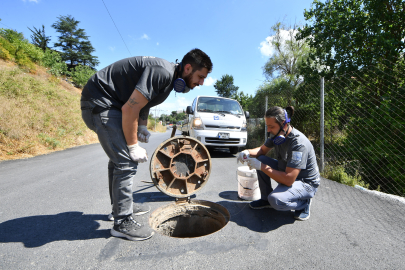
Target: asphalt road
pixel 54 208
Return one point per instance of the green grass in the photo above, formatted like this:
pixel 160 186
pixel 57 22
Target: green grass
pixel 38 114
pixel 338 173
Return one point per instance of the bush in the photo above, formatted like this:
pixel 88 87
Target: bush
pixel 53 61
pixel 31 51
pixel 11 36
pixel 338 173
pixel 255 135
pixel 152 124
pixel 81 74
pixel 19 49
pixel 4 52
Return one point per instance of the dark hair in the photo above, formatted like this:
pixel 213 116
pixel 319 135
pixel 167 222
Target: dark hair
pixel 278 113
pixel 198 60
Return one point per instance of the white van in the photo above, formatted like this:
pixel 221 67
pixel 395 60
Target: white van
pixel 217 122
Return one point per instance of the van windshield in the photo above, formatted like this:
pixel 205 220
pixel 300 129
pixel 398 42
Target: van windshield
pixel 218 105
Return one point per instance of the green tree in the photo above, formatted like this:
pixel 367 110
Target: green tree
pixel 38 38
pixel 86 50
pixel 181 116
pixel 225 87
pixel 74 42
pixel 171 118
pixel 163 117
pixel 289 54
pixel 362 43
pixel 346 35
pixel 279 93
pixel 245 100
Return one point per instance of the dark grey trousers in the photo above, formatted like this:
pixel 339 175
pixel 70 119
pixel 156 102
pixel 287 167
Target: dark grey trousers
pixel 121 169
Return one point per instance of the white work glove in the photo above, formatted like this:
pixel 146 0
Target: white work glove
pixel 137 153
pixel 143 134
pixel 254 163
pixel 242 156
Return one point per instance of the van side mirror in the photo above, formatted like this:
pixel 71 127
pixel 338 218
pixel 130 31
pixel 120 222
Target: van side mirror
pixel 189 110
pixel 247 114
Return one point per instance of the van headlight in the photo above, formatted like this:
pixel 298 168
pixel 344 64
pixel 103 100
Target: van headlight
pixel 244 129
pixel 197 123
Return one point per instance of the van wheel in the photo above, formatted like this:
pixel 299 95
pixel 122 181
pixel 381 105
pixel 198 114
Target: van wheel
pixel 233 150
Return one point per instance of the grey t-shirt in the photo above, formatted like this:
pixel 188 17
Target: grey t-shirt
pixel 297 152
pixel 113 85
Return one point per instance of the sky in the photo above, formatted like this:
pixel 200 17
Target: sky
pixel 234 33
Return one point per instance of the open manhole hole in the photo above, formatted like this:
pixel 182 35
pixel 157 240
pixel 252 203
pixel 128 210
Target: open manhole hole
pixel 186 220
pixel 179 168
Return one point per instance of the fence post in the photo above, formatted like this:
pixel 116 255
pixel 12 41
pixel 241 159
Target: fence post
pixel 322 125
pixel 265 127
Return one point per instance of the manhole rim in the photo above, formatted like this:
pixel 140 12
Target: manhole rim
pixel 222 210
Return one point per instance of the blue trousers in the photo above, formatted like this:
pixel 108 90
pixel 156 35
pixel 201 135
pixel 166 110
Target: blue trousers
pixel 121 168
pixel 283 198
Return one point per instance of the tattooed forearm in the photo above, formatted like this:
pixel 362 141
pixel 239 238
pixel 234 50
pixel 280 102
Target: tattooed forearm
pixel 132 102
pixel 143 114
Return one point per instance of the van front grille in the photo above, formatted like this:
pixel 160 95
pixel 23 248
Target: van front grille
pixel 221 141
pixel 222 127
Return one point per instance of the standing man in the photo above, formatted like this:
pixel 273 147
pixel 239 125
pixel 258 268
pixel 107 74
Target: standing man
pixel 295 169
pixel 115 104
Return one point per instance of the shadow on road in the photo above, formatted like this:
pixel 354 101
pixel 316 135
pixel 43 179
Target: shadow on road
pixel 230 195
pixel 144 197
pixel 36 231
pixel 263 220
pixel 220 153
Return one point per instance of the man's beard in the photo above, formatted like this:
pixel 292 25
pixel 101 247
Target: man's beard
pixel 188 79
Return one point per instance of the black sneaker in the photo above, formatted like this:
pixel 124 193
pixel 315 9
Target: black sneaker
pixel 131 230
pixel 139 209
pixel 260 204
pixel 303 214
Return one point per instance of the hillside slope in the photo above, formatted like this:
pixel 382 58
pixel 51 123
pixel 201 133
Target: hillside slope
pixel 39 113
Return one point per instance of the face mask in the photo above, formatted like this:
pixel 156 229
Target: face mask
pixel 280 139
pixel 180 85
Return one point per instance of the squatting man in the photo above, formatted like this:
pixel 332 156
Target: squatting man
pixel 115 104
pixel 295 169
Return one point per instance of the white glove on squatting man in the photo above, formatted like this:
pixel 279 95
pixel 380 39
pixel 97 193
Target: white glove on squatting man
pixel 143 134
pixel 254 163
pixel 137 153
pixel 242 157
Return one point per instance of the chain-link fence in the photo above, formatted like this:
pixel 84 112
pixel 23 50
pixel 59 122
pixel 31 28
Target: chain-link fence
pixel 364 126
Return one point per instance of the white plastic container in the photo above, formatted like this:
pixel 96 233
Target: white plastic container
pixel 248 185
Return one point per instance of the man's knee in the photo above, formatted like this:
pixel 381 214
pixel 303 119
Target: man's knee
pixel 277 203
pixel 125 170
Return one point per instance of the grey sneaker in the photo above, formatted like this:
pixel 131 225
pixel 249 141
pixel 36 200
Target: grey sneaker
pixel 260 204
pixel 139 209
pixel 303 214
pixel 131 230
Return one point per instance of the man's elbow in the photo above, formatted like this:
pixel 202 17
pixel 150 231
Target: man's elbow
pixel 289 183
pixel 128 110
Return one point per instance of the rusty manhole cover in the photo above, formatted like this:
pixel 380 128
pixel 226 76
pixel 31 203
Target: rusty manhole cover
pixel 179 168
